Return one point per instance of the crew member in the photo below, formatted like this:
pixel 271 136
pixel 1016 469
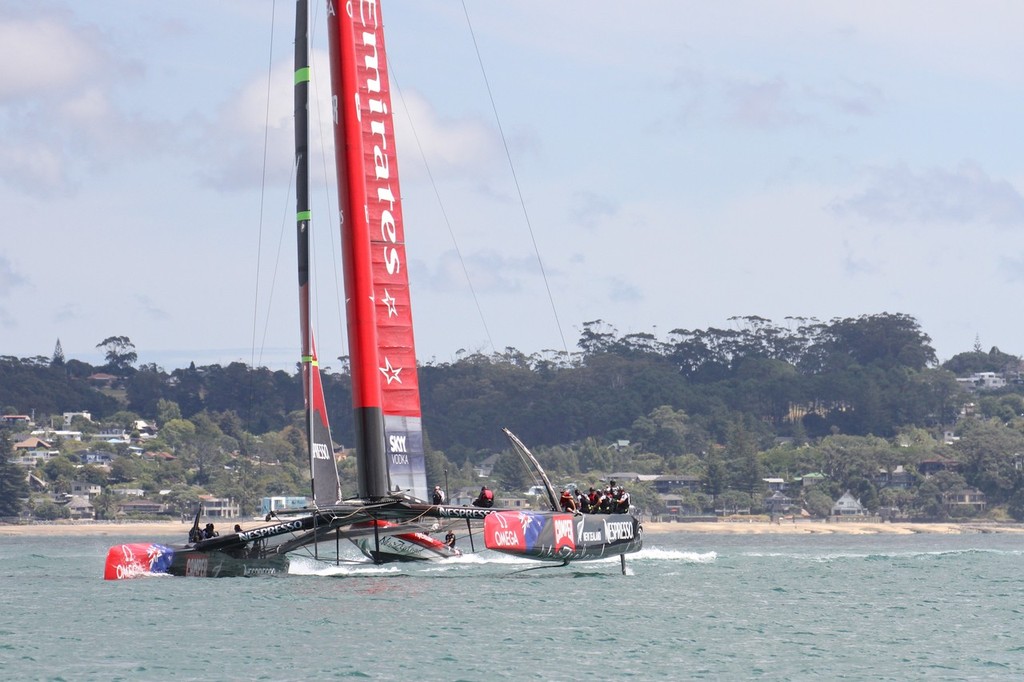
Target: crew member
pixel 622 501
pixel 449 539
pixel 438 497
pixel 209 532
pixel 567 502
pixel 485 498
pixel 582 502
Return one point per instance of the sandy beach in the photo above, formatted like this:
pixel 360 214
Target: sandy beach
pixel 754 527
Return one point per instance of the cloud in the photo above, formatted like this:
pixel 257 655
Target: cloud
pixel 41 55
pixel 591 210
pixel 452 146
pixel 964 195
pixel 488 271
pixel 766 105
pixel 9 278
pixel 56 82
pixel 622 291
pixel 148 308
pixel 9 281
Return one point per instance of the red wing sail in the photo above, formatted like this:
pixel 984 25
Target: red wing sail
pixel 324 468
pixel 385 387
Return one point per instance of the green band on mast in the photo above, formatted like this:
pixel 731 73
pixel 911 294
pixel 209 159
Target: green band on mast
pixel 302 75
pixel 303 215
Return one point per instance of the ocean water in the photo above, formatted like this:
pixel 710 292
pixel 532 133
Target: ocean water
pixel 692 606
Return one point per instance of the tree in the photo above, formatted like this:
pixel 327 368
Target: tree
pixel 13 488
pixel 105 505
pixel 58 356
pixel 663 432
pixel 119 352
pixel 991 454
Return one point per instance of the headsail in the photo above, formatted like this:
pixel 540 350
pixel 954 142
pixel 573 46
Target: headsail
pixel 385 386
pixel 326 486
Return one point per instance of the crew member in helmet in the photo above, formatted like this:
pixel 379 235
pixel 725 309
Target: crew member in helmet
pixel 485 498
pixel 438 497
pixel 567 502
pixel 621 501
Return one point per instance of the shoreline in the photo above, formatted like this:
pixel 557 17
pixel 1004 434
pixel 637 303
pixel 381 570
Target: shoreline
pixel 753 527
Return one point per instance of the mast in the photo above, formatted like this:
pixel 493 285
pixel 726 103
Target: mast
pixel 324 482
pixel 385 387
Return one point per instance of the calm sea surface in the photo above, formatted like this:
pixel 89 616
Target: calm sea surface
pixel 693 606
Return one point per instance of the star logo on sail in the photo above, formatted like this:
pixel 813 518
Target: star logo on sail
pixel 390 373
pixel 389 301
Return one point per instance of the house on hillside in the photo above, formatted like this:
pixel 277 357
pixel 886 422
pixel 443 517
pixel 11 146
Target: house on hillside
pixel 80 507
pixel 98 457
pixel 30 451
pixel 141 507
pixel 897 478
pixel 848 505
pixel 777 503
pixel 808 480
pixel 666 483
pixel 970 499
pixel 85 489
pixel 930 467
pixel 16 421
pixel 70 417
pixel 220 507
pixel 484 468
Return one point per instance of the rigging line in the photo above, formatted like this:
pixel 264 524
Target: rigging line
pixel 263 190
pixel 515 179
pixel 277 260
pixel 440 204
pixel 259 232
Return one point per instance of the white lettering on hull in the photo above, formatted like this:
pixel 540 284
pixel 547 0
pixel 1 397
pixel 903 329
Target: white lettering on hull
pixel 619 530
pixel 505 538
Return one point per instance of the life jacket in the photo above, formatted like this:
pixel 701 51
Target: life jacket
pixel 488 495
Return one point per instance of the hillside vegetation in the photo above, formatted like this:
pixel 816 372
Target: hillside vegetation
pixel 855 399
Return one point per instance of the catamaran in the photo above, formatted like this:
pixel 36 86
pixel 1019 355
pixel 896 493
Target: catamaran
pixel 388 519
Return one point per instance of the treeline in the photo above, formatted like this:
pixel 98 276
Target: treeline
pixel 714 403
pixel 870 375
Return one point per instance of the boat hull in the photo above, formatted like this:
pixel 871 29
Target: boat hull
pixel 141 559
pixel 389 546
pixel 553 536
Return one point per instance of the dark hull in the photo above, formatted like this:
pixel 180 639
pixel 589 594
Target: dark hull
pixel 138 559
pixel 195 564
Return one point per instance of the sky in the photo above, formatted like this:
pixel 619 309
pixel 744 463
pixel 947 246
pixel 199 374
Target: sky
pixel 658 165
